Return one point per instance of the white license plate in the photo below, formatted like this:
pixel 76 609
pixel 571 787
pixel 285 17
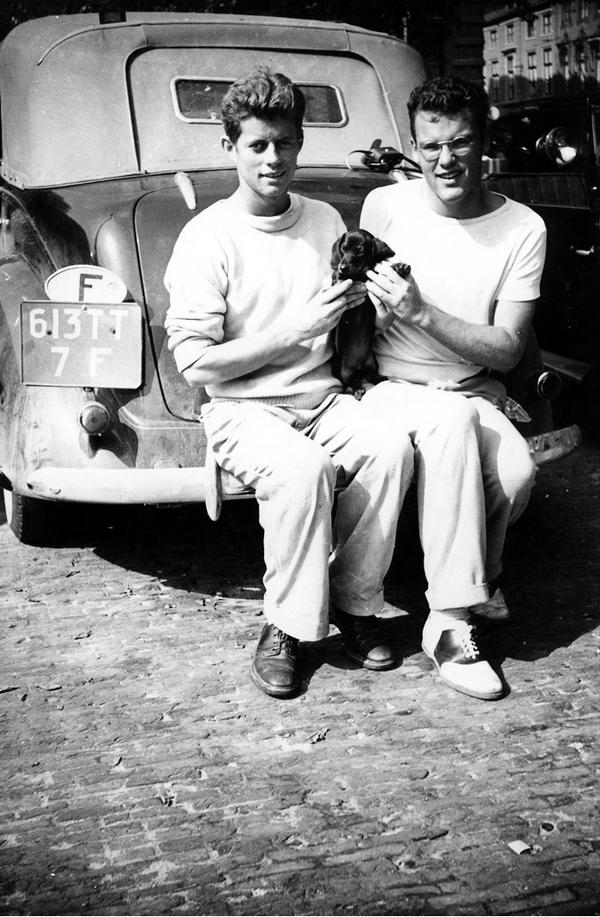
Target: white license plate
pixel 97 345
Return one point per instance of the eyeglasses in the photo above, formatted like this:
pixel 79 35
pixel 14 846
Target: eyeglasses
pixel 460 146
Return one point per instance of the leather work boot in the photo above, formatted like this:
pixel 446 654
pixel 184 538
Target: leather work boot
pixel 459 661
pixel 275 667
pixel 364 641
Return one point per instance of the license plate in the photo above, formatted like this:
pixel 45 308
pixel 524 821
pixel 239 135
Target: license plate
pixel 78 344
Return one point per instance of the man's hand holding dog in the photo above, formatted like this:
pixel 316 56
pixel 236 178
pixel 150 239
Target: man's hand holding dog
pixel 243 355
pixel 323 312
pixel 394 297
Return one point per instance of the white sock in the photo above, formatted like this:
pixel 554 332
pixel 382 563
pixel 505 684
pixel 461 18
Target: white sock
pixel 447 618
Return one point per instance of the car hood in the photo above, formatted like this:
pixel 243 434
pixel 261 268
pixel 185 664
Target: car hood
pixel 159 218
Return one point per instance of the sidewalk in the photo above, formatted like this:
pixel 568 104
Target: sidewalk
pixel 143 773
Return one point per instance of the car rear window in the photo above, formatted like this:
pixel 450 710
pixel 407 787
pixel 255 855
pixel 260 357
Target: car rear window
pixel 199 100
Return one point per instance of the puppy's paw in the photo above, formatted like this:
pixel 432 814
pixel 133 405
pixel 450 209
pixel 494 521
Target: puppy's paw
pixel 402 269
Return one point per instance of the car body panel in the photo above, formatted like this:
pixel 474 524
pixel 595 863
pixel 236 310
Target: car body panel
pixel 101 168
pixel 115 115
pixel 567 197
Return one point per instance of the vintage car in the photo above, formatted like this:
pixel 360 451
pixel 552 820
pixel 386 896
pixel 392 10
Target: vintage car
pixel 545 152
pixel 110 143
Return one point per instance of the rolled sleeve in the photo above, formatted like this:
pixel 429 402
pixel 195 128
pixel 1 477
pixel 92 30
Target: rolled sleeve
pixel 196 285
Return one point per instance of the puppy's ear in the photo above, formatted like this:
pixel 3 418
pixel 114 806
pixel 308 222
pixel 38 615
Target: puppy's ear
pixel 336 251
pixel 382 250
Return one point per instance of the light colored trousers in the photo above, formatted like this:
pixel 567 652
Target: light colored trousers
pixel 475 473
pixel 290 457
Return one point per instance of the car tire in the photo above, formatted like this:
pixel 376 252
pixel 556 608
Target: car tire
pixel 32 521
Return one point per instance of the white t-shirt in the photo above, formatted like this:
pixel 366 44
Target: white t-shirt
pixel 233 274
pixel 462 267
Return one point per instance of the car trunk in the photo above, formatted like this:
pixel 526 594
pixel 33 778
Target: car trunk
pixel 159 217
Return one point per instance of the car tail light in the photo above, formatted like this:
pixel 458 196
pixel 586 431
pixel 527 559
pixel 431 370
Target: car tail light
pixel 94 418
pixel 549 385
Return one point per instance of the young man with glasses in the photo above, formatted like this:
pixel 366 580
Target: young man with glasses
pixel 464 311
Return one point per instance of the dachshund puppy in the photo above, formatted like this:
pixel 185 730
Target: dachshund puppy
pixel 352 255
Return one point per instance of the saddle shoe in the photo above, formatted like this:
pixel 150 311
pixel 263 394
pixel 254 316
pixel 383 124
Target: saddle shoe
pixel 459 661
pixel 364 640
pixel 275 667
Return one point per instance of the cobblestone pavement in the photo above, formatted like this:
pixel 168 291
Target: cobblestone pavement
pixel 143 773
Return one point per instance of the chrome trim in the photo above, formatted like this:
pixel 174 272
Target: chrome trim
pixel 119 485
pixel 548 447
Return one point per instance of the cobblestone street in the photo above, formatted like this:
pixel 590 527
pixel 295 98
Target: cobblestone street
pixel 144 773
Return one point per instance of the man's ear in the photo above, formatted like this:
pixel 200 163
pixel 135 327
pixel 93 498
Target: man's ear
pixel 228 145
pixel 300 138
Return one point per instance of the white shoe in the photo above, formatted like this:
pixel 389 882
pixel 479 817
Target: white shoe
pixel 459 661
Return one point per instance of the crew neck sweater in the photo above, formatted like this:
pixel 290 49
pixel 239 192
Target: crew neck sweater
pixel 233 274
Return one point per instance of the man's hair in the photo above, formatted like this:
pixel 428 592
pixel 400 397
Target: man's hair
pixel 261 94
pixel 450 95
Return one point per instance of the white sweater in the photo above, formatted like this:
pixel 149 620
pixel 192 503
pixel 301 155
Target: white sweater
pixel 233 274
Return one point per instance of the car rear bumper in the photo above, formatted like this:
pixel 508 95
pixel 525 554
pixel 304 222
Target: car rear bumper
pixel 548 447
pixel 118 485
pixel 193 485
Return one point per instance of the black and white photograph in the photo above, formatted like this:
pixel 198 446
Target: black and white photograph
pixel 300 458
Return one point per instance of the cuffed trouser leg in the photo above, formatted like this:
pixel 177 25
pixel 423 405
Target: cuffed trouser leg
pixel 290 457
pixel 443 427
pixel 378 463
pixel 294 483
pixel 509 471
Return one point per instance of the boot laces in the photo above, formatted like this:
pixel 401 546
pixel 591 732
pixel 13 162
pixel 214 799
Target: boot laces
pixel 467 642
pixel 283 641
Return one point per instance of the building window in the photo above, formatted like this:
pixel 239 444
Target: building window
pixel 510 73
pixel 547 24
pixel 566 14
pixel 530 28
pixel 532 72
pixel 584 10
pixel 493 38
pixel 563 57
pixel 510 32
pixel 495 82
pixel 548 70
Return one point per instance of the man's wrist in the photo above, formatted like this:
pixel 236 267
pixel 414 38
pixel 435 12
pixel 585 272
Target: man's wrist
pixel 425 317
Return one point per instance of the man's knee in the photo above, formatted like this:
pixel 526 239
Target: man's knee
pixel 509 476
pixel 386 444
pixel 459 413
pixel 307 471
pixel 397 451
pixel 455 420
pixel 518 474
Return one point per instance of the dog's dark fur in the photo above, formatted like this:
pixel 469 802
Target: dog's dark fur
pixel 352 255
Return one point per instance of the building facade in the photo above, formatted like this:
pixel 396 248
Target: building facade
pixel 450 37
pixel 534 50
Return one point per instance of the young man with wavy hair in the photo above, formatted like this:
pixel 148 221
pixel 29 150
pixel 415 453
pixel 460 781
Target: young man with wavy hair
pixel 250 319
